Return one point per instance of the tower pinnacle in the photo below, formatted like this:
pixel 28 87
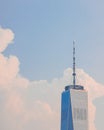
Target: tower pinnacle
pixel 74 71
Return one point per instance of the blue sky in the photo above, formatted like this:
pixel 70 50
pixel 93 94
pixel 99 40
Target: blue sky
pixel 44 32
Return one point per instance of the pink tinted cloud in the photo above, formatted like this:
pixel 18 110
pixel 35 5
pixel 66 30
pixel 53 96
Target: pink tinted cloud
pixel 6 38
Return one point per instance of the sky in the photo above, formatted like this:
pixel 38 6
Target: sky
pixel 36 39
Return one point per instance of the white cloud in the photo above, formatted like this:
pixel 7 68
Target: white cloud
pixel 26 104
pixel 9 68
pixel 6 38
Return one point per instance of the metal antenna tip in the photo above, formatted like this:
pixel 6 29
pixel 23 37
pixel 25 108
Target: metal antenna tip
pixel 74 72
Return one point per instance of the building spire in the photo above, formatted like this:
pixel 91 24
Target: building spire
pixel 74 71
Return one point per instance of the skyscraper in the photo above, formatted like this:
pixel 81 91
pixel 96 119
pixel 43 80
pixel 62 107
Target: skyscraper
pixel 74 105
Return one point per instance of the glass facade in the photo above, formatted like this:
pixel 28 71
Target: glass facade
pixel 74 109
pixel 66 112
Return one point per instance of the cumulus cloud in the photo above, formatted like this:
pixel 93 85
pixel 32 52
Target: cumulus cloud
pixel 6 38
pixel 8 69
pixel 26 104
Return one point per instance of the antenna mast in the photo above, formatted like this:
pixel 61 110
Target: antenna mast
pixel 74 74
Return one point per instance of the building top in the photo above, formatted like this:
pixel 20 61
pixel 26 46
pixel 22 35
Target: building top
pixel 76 87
